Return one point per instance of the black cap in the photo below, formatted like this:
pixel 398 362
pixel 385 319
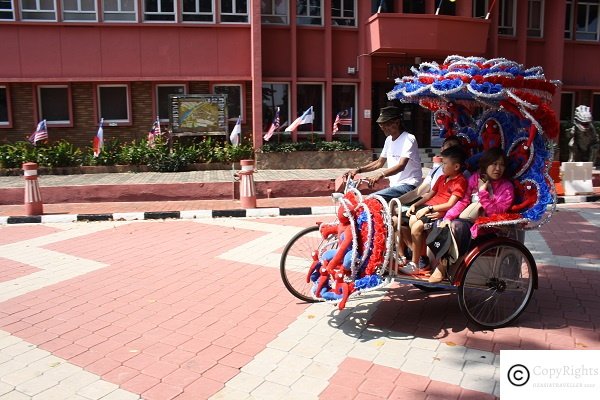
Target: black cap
pixel 388 114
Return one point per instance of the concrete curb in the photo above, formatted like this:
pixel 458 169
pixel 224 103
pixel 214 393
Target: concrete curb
pixel 155 215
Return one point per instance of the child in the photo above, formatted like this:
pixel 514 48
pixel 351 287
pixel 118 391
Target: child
pixel 449 188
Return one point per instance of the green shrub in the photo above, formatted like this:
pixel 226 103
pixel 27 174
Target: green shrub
pixel 15 154
pixel 59 154
pixel 321 145
pixel 134 153
pixel 110 154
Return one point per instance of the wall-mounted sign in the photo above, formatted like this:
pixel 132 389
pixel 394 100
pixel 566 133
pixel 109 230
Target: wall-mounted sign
pixel 198 113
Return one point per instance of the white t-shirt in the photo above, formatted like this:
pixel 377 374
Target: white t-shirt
pixel 405 146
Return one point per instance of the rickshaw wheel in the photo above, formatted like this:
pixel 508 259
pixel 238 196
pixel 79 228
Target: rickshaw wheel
pixel 296 260
pixel 497 284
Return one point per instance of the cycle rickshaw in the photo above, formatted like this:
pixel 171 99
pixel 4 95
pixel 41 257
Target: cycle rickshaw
pixel 497 276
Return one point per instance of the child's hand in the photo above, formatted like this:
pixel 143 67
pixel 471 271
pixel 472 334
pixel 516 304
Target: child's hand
pixel 410 211
pixel 422 212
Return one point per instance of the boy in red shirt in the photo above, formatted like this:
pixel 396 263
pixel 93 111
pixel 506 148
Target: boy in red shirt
pixel 448 189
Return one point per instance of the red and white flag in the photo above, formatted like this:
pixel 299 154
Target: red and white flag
pixel 306 118
pixel 154 132
pixel 99 139
pixel 342 118
pixel 41 133
pixel 274 126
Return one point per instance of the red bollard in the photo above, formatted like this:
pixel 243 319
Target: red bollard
pixel 247 189
pixel 33 197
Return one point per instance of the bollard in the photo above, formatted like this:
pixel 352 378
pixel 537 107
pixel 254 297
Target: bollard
pixel 247 189
pixel 33 197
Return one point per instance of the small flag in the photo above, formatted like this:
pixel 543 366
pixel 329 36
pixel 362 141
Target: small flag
pixel 381 7
pixel 41 133
pixel 342 118
pixel 236 133
pixel 154 132
pixel 274 126
pixel 99 139
pixel 306 118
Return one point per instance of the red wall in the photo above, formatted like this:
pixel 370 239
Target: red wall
pixel 69 53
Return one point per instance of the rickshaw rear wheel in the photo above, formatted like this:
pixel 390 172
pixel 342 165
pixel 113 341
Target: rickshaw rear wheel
pixel 296 260
pixel 497 283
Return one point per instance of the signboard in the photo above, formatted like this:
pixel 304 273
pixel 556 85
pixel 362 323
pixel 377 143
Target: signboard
pixel 198 114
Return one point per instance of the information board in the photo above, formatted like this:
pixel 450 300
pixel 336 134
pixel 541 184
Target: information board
pixel 202 114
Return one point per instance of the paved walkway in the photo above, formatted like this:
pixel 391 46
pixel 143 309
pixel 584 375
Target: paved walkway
pixel 183 309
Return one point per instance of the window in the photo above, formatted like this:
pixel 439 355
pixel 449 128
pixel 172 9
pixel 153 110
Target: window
pixel 310 95
pixel 343 12
pixel 79 10
pixel 113 103
pixel 6 10
pixel 480 8
pixel 162 99
pixel 274 11
pixel 275 95
pixel 308 12
pixel 234 11
pixel 53 103
pixel 506 18
pixel 4 117
pixel 198 11
pixel 387 6
pixel 159 10
pixel 234 99
pixel 344 99
pixel 535 19
pixel 568 20
pixel 120 10
pixel 38 10
pixel 567 104
pixel 595 106
pixel 587 20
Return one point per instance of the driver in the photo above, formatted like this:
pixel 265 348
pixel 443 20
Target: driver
pixel 400 156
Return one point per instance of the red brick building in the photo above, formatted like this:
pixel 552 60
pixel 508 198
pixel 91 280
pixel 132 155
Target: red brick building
pixel 73 62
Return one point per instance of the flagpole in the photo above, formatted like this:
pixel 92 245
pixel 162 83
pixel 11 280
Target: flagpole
pixel 487 16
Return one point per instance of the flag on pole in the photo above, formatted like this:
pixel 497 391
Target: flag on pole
pixel 306 118
pixel 236 134
pixel 99 139
pixel 41 133
pixel 342 118
pixel 381 6
pixel 154 132
pixel 274 126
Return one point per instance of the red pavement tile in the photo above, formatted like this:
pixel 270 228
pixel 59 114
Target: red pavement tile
pixel 140 383
pixel 162 391
pixel 401 393
pixel 338 392
pixel 376 387
pixel 102 366
pixel 221 373
pixel 10 270
pixel 569 224
pixel 181 378
pixel 411 381
pixel 202 388
pixel 120 374
pixel 18 233
pixel 442 390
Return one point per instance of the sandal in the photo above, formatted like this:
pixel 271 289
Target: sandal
pixel 412 269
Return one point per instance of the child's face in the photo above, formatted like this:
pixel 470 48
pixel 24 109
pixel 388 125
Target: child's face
pixel 449 167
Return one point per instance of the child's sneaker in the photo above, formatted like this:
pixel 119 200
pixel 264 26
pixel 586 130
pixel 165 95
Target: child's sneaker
pixel 412 269
pixel 423 262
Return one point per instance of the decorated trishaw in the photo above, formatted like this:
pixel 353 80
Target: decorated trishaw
pixel 486 103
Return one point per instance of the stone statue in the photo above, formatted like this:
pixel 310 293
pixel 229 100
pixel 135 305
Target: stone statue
pixel 583 138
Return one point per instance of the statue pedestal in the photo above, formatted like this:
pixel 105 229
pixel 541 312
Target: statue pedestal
pixel 577 177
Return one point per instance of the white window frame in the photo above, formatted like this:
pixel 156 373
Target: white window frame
pixel 307 15
pixel 8 122
pixel 40 111
pixel 233 118
pixel 9 10
pixel 80 11
pixel 212 14
pixel 265 17
pixel 354 116
pixel 322 110
pixel 37 10
pixel 569 14
pixel 128 102
pixel 159 85
pixel 513 23
pixel 588 4
pixel 342 18
pixel 283 118
pixel 159 12
pixel 120 12
pixel 530 19
pixel 235 13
